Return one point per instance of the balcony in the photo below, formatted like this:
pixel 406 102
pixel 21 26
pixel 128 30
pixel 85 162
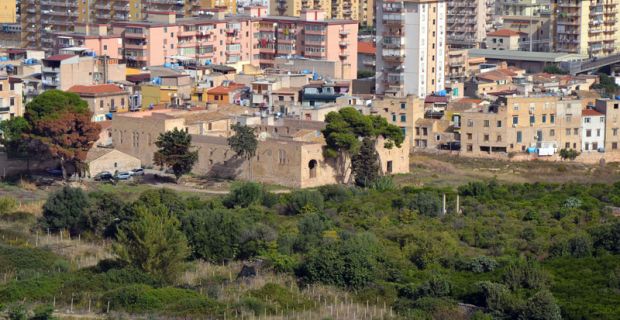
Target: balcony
pixel 343 44
pixel 50 70
pixel 394 20
pixel 343 55
pixel 343 32
pixel 51 82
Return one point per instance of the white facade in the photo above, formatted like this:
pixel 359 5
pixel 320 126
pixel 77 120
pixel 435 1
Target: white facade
pixel 592 131
pixel 411 47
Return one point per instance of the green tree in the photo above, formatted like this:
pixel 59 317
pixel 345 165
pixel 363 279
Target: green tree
pixel 244 143
pixel 304 200
pixel 175 151
pixel 213 235
pixel 569 154
pixel 244 195
pixel 154 244
pixel 65 209
pixel 365 164
pixel 541 306
pixel 553 69
pixel 344 130
pixel 105 208
pixel 11 136
pixel 607 84
pixel 59 123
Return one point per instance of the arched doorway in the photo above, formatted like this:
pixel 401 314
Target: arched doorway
pixel 312 165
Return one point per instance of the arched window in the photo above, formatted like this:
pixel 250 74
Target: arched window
pixel 312 166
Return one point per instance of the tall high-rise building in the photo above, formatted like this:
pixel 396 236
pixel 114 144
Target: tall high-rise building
pixel 411 47
pixel 587 27
pixel 468 22
pixel 42 19
pixel 334 9
pixel 366 15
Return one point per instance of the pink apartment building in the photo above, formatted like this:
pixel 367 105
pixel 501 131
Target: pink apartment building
pixel 254 38
pixel 92 37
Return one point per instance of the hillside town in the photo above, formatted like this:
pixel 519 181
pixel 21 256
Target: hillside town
pixel 310 159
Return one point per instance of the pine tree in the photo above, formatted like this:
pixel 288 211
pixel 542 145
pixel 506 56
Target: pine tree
pixel 365 165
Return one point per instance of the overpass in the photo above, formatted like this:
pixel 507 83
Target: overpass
pixel 577 67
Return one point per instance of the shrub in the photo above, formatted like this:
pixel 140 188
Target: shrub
pixel 143 299
pixel 213 235
pixel 7 205
pixel 528 275
pixel 383 183
pixel 607 237
pixel 65 209
pixel 426 203
pixel 569 154
pixel 305 200
pixel 481 264
pixel 244 195
pixel 541 306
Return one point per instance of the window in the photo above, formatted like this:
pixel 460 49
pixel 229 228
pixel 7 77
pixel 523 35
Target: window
pixel 105 47
pixel 598 132
pixel 486 137
pixel 594 146
pixel 470 148
pixel 122 102
pixel 602 119
pixel 486 123
pixel 393 117
pixel 403 118
pixel 567 145
pixel 588 133
pixel 569 118
pixel 12 101
pixel 519 137
pixel 469 136
pixel 552 133
pixel 424 131
pixel 568 132
pixel 499 138
pixel 544 118
pixel 101 105
pixel 403 105
pixel 515 120
pixel 586 120
pixel 499 123
pixel 532 119
pixel 552 118
pixel 470 123
pixel 586 146
pixel 576 131
pixel 614 145
pixel 615 106
pixel 438 137
pixel 614 131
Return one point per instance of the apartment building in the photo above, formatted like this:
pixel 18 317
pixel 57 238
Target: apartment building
pixel 587 27
pixel 66 70
pixel 524 8
pixel 592 130
pixel 513 124
pixel 400 111
pixel 11 101
pixel 334 9
pixel 311 35
pixel 411 47
pixel 366 15
pixel 611 110
pixel 41 20
pixel 95 38
pixel 468 22
pixel 568 120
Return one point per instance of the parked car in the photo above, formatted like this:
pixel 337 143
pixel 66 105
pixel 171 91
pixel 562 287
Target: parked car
pixel 103 176
pixel 54 172
pixel 137 172
pixel 123 176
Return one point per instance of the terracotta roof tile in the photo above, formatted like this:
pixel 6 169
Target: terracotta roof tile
pixel 225 89
pixel 366 47
pixel 96 89
pixel 590 113
pixel 504 33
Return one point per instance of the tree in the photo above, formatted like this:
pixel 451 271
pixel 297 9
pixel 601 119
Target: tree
pixel 569 154
pixel 365 164
pixel 106 207
pixel 308 200
pixel 213 235
pixel 345 130
pixel 154 244
pixel 541 306
pixel 607 84
pixel 553 69
pixel 65 209
pixel 11 132
pixel 60 123
pixel 244 143
pixel 176 152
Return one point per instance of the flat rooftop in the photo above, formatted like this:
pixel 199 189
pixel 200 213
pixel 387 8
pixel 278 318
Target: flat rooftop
pixel 525 55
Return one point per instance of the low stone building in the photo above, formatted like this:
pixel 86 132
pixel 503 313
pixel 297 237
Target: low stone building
pixel 110 160
pixel 103 99
pixel 290 152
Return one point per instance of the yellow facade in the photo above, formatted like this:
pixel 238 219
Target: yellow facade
pixel 154 95
pixel 334 9
pixel 8 11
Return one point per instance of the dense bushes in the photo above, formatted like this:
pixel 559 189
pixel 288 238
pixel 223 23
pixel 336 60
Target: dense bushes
pixel 65 209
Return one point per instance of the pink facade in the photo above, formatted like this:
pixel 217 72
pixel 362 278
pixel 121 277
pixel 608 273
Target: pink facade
pixel 250 38
pixel 92 37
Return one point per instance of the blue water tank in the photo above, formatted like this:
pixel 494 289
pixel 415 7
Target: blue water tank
pixel 167 65
pixel 532 150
